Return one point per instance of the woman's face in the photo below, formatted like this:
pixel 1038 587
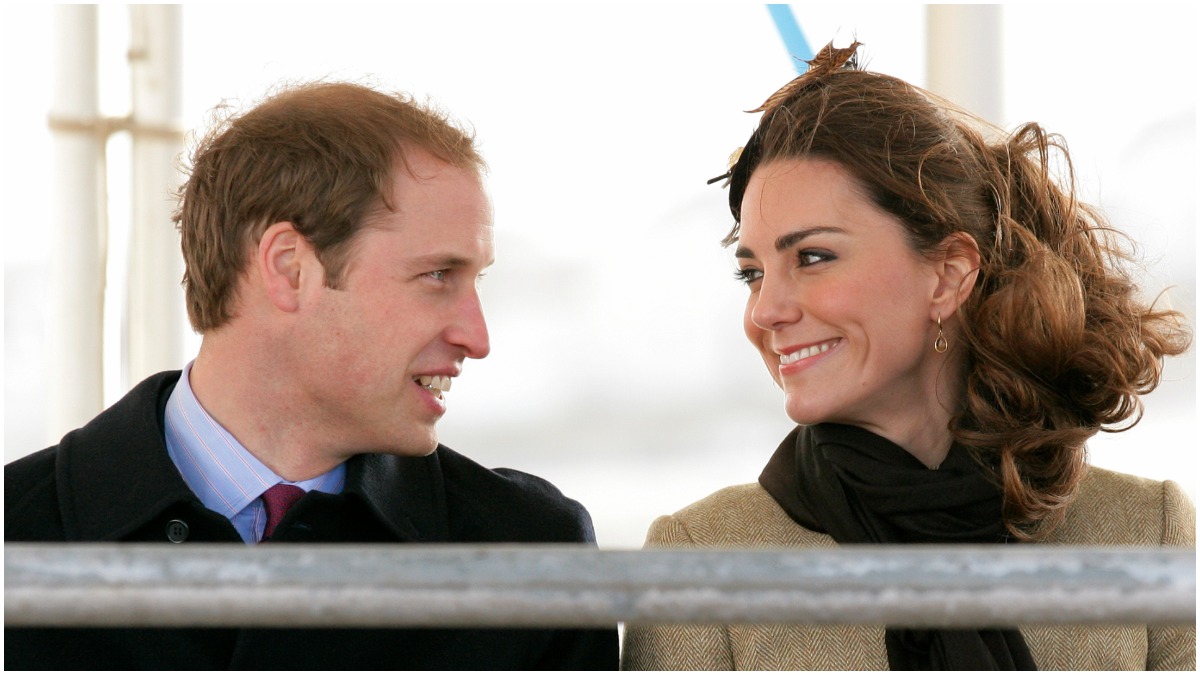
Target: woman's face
pixel 841 308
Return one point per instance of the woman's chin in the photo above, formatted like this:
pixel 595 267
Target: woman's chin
pixel 803 414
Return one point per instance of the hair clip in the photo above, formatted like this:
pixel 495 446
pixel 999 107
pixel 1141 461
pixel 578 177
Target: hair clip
pixel 828 60
pixel 733 160
pixel 725 176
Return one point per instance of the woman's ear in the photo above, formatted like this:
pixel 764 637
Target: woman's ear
pixel 279 260
pixel 957 269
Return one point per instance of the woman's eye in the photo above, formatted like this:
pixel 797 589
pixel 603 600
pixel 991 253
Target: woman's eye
pixel 809 257
pixel 747 275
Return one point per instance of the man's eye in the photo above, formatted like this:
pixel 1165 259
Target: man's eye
pixel 438 275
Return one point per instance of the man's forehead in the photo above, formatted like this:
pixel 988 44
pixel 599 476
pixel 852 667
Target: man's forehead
pixel 415 165
pixel 445 244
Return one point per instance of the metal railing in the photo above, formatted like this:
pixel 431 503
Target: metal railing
pixel 532 585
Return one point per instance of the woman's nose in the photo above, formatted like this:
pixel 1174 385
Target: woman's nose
pixel 775 305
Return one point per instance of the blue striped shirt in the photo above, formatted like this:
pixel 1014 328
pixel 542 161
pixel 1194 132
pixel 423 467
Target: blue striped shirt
pixel 220 470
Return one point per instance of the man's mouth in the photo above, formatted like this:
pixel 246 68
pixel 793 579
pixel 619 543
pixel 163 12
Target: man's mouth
pixel 434 384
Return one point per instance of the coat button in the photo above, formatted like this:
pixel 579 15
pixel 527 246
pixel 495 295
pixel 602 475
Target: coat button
pixel 177 531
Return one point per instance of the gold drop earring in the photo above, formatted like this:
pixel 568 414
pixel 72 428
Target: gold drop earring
pixel 940 343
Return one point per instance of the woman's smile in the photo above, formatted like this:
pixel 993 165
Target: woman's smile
pixel 806 352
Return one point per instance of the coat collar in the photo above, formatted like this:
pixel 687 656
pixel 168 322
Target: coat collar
pixel 406 493
pixel 114 475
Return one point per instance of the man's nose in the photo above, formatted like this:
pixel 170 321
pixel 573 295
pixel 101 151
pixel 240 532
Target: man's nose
pixel 469 329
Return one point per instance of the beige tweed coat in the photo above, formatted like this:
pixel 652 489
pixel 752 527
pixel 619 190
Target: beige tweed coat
pixel 1112 509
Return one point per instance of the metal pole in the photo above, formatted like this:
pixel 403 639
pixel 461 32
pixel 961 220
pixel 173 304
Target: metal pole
pixel 964 55
pixel 75 321
pixel 453 585
pixel 155 301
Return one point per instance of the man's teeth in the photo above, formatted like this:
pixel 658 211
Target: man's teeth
pixel 436 383
pixel 785 359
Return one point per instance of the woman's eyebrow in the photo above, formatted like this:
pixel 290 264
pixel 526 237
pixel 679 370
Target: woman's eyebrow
pixel 786 241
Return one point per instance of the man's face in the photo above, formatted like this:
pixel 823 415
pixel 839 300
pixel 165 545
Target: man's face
pixel 384 346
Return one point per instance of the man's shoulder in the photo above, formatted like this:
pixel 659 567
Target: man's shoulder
pixel 35 486
pixel 21 475
pixel 515 505
pixel 505 483
pixel 30 498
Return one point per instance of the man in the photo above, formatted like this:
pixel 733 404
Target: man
pixel 333 237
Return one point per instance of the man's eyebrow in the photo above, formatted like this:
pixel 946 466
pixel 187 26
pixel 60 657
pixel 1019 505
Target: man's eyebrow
pixel 440 260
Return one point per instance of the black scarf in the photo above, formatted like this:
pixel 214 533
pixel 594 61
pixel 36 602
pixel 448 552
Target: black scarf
pixel 860 488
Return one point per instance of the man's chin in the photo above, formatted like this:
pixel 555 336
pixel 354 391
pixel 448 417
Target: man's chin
pixel 413 447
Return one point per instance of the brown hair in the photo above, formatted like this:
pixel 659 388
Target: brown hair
pixel 1057 344
pixel 318 155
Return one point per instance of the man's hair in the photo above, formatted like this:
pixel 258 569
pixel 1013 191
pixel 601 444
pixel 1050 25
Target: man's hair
pixel 320 156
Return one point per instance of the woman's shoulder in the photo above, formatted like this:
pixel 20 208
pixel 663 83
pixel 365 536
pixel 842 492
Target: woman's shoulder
pixel 1113 508
pixel 738 515
pixel 745 498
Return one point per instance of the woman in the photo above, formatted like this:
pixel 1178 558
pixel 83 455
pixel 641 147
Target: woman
pixel 949 327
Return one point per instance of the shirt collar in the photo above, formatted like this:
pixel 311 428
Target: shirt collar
pixel 115 475
pixel 222 473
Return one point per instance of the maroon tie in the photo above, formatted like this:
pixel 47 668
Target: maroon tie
pixel 278 499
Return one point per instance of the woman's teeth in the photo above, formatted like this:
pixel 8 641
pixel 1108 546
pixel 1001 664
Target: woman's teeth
pixel 785 359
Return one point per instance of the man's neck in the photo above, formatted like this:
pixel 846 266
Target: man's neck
pixel 260 409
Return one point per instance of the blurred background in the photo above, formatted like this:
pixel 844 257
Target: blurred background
pixel 618 369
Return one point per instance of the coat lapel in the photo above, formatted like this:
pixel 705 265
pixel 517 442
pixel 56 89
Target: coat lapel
pixel 114 474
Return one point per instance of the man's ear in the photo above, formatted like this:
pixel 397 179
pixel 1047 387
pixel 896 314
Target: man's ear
pixel 957 269
pixel 283 254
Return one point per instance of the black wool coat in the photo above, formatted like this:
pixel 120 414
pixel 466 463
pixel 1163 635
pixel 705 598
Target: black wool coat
pixel 112 481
